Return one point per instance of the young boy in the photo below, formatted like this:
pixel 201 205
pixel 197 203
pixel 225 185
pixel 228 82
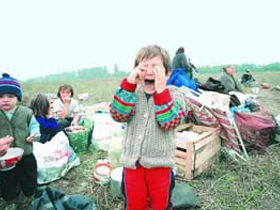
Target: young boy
pixel 152 112
pixel 18 122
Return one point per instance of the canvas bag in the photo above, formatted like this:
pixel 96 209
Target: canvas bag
pixel 183 197
pixel 48 198
pixel 257 129
pixel 213 85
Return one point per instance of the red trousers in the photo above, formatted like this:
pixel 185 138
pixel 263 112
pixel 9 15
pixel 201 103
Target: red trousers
pixel 143 187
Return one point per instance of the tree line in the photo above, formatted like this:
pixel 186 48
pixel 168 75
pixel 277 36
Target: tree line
pixel 102 72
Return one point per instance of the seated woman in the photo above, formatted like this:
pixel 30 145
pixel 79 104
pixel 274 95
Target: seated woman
pixel 65 107
pixel 43 114
pixel 229 81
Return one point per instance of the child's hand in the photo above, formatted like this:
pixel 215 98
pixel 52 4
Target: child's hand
pixel 5 143
pixel 67 100
pixel 30 139
pixel 136 74
pixel 73 123
pixel 160 79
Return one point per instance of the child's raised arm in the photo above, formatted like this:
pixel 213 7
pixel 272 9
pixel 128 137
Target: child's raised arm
pixel 122 106
pixel 170 110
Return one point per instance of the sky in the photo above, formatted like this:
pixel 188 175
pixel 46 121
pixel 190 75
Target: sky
pixel 39 37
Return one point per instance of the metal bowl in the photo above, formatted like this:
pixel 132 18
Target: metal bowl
pixel 11 158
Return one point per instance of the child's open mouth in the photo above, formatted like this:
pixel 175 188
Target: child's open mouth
pixel 149 82
pixel 149 86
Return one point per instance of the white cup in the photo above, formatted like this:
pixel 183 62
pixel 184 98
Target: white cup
pixel 255 90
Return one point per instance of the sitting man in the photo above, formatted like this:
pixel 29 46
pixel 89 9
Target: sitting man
pixel 229 81
pixel 247 79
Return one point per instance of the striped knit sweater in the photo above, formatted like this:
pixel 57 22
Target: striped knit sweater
pixel 149 136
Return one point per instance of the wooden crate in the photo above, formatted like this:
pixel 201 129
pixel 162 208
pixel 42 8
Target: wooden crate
pixel 193 158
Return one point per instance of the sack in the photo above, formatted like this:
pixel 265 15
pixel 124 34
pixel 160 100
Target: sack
pixel 114 152
pixel 48 198
pixel 54 158
pixel 213 85
pixel 257 129
pixel 183 196
pixel 105 129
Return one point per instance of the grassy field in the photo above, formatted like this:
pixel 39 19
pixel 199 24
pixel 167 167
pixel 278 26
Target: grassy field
pixel 102 90
pixel 227 185
pixel 99 90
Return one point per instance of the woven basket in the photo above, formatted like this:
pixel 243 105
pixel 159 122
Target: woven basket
pixel 78 140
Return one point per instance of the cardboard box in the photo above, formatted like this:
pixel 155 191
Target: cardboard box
pixel 194 157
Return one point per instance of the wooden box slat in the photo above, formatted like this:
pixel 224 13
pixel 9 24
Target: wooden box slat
pixel 195 157
pixel 207 154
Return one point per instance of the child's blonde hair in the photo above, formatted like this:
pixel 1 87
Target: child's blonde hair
pixel 152 51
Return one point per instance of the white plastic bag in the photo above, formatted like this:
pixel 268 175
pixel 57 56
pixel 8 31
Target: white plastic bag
pixel 105 128
pixel 114 152
pixel 54 158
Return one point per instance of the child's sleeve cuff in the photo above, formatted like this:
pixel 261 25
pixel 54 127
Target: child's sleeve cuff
pixel 128 86
pixel 162 98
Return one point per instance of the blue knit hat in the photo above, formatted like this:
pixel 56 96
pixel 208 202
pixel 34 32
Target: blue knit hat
pixel 10 85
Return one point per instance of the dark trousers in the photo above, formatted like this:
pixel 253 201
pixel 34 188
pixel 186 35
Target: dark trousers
pixel 23 177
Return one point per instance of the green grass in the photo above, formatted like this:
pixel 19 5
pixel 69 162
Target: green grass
pixel 100 90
